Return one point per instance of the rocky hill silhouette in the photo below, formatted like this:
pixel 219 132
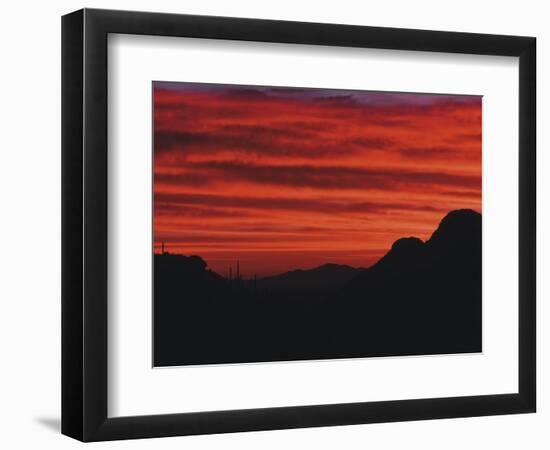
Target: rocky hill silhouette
pixel 419 298
pixel 429 292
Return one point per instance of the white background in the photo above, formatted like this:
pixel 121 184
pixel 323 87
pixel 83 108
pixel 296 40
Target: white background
pixel 137 389
pixel 30 229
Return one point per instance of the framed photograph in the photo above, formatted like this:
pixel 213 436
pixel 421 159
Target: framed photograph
pixel 273 224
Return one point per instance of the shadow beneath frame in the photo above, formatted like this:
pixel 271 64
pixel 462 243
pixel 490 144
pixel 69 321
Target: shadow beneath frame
pixel 52 423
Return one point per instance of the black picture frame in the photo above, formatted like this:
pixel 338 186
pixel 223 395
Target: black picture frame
pixel 84 224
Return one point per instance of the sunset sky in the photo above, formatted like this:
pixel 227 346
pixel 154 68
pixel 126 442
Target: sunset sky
pixel 286 178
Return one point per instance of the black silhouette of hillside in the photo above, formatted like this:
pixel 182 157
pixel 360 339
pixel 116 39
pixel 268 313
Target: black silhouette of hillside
pixel 429 292
pixel 419 298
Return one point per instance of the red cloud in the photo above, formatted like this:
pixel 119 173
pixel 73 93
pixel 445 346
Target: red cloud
pixel 244 171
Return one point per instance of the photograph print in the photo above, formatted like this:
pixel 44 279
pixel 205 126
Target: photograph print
pixel 307 224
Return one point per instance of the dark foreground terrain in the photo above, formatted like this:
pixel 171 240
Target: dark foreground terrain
pixel 420 298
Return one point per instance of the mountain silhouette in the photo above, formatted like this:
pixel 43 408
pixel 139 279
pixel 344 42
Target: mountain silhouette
pixel 419 298
pixel 300 283
pixel 456 241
